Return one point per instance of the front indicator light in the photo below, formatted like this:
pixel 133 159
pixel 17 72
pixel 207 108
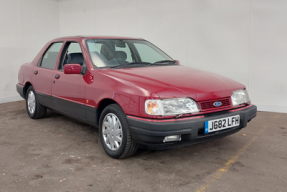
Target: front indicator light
pixel 153 107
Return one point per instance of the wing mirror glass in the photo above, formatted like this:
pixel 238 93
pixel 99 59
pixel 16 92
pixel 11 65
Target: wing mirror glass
pixel 72 69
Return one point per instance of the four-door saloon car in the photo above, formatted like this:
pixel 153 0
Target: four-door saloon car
pixel 133 92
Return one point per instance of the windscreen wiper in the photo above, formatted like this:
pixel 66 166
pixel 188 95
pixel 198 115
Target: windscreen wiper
pixel 138 63
pixel 133 63
pixel 163 61
pixel 115 66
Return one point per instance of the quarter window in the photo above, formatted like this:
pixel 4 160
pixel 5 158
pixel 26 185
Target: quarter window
pixel 51 55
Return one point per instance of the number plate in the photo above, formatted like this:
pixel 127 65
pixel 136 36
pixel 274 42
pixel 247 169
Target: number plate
pixel 220 124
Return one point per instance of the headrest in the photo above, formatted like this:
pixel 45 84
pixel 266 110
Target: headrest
pixel 107 51
pixel 121 55
pixel 76 58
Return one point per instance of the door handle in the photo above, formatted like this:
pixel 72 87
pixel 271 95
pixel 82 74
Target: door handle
pixel 57 76
pixel 35 72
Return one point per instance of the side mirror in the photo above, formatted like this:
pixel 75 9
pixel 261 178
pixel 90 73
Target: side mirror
pixel 72 69
pixel 177 61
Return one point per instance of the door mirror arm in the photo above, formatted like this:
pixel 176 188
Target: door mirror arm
pixel 84 69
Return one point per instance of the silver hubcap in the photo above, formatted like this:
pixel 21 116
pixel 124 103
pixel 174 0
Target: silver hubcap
pixel 31 102
pixel 112 131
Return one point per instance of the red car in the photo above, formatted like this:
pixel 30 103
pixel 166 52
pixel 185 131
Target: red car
pixel 133 92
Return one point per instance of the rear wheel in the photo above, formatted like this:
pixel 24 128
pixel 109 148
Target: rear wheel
pixel 115 134
pixel 34 109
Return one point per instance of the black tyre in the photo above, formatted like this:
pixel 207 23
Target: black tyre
pixel 34 109
pixel 115 134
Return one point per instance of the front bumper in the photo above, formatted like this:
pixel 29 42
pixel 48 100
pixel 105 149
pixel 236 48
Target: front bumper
pixel 150 133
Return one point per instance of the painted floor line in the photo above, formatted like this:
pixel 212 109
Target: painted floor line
pixel 219 172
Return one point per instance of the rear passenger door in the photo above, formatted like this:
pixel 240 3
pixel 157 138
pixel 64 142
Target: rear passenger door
pixel 42 76
pixel 68 90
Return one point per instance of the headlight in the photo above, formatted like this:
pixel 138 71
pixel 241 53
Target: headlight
pixel 239 97
pixel 171 106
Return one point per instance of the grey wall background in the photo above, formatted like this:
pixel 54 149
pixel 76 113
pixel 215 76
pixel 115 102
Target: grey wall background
pixel 245 40
pixel 25 26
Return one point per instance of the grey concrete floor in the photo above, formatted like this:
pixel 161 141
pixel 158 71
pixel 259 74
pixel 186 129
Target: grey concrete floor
pixel 58 153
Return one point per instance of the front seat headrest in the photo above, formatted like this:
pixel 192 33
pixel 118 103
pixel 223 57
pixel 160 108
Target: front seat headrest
pixel 76 58
pixel 121 55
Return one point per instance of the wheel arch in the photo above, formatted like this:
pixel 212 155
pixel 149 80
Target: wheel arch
pixel 27 85
pixel 102 105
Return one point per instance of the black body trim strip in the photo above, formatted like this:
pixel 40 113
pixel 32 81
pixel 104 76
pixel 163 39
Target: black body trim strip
pixel 80 111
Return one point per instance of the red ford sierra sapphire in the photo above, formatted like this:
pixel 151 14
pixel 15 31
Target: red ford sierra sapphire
pixel 133 92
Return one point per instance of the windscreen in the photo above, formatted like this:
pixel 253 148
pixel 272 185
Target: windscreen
pixel 123 53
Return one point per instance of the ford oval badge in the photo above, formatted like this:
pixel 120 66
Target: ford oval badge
pixel 217 104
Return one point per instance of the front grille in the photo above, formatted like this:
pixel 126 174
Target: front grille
pixel 208 105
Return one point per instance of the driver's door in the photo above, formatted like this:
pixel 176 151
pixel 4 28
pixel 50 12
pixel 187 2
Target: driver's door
pixel 68 90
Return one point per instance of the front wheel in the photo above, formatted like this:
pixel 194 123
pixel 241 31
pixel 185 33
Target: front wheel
pixel 115 134
pixel 34 109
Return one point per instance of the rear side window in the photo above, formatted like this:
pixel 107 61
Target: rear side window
pixel 50 57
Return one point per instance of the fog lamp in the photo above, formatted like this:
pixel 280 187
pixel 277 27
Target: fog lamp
pixel 172 138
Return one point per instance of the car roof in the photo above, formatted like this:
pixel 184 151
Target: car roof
pixel 94 37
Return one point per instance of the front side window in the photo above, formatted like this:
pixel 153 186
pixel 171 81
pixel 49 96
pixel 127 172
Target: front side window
pixel 72 54
pixel 50 57
pixel 125 53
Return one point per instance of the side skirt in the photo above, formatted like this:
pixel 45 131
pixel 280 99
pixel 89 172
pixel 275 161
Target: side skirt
pixel 45 99
pixel 81 112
